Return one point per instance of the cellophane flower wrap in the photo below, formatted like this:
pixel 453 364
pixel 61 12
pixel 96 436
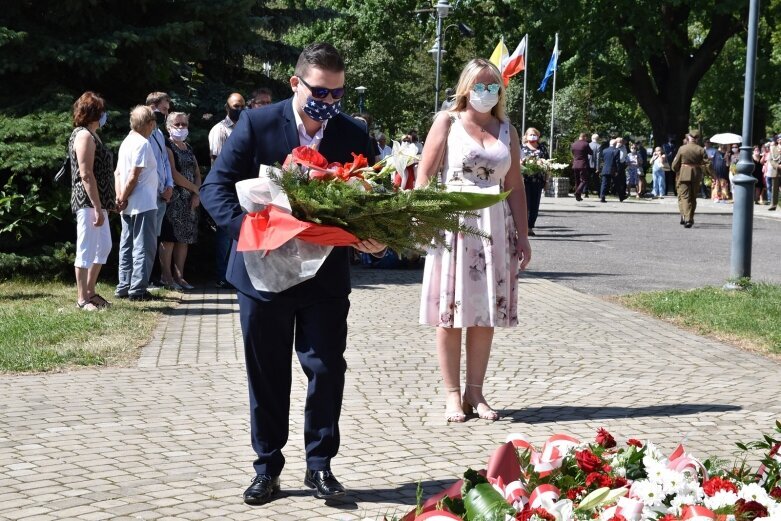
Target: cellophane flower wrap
pixel 322 205
pixel 568 480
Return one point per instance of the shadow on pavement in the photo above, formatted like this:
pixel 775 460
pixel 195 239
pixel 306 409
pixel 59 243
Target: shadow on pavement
pixel 554 413
pixel 565 275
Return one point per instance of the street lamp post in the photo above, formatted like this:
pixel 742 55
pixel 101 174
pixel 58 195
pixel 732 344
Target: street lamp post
pixel 443 8
pixel 266 68
pixel 743 207
pixel 361 90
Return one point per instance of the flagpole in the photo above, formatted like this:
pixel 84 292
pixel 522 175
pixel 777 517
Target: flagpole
pixel 553 98
pixel 525 71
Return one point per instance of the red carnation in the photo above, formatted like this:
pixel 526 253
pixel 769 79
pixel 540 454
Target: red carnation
pixel 619 482
pixel 749 510
pixel 588 461
pixel 601 480
pixel 617 517
pixel 575 492
pixel 527 514
pixel 605 439
pixel 635 443
pixel 714 484
pixel 776 493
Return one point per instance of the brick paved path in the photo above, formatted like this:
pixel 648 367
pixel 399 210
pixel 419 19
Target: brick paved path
pixel 168 439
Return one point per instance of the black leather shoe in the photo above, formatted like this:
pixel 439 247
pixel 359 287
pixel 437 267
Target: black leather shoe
pixel 578 198
pixel 325 484
pixel 262 490
pixel 682 221
pixel 688 224
pixel 602 200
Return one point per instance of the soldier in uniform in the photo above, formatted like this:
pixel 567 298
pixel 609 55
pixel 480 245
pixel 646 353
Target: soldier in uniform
pixel 690 164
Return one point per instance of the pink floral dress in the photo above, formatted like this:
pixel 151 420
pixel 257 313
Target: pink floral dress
pixel 474 282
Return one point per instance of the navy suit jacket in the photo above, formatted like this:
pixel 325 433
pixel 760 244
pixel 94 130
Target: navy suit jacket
pixel 266 136
pixel 610 157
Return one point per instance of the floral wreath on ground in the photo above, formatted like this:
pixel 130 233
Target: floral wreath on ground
pixel 567 480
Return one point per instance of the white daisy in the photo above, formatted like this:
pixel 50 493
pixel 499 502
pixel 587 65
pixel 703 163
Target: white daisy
pixel 720 499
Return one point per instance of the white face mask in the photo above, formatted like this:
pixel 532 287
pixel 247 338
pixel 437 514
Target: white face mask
pixel 532 137
pixel 179 134
pixel 484 101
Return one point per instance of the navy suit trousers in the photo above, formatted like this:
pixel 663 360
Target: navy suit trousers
pixel 320 326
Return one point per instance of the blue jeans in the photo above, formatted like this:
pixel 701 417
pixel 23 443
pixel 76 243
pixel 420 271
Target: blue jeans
pixel 137 246
pixel 660 188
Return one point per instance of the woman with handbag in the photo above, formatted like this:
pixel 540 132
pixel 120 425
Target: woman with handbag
pixel 92 196
pixel 472 282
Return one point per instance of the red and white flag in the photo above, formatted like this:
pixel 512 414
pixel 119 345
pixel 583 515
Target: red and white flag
pixel 514 63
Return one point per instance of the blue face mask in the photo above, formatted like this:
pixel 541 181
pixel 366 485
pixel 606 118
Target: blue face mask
pixel 103 119
pixel 319 110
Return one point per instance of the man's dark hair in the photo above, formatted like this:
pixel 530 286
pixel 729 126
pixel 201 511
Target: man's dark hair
pixel 321 55
pixel 261 90
pixel 155 98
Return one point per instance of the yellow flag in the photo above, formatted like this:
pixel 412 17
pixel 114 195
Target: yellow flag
pixel 500 55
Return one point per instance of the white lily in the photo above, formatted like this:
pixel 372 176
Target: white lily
pixel 403 155
pixel 562 510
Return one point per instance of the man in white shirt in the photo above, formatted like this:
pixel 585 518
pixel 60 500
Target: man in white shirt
pixel 217 137
pixel 382 148
pixel 137 193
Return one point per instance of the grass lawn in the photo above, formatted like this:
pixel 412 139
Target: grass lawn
pixel 749 318
pixel 42 329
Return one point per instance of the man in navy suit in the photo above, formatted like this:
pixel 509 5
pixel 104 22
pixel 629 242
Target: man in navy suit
pixel 610 157
pixel 312 316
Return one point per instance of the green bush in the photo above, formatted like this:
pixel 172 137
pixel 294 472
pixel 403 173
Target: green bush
pixel 55 262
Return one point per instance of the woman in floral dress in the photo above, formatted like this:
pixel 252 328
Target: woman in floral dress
pixel 472 283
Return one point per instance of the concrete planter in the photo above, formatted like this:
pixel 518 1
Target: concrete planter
pixel 557 187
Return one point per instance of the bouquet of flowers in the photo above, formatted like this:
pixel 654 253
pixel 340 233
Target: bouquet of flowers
pixel 296 214
pixel 571 481
pixel 535 165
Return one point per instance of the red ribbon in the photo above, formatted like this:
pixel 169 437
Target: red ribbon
pixel 271 228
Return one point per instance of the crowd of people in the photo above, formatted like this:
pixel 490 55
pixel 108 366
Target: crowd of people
pixel 154 186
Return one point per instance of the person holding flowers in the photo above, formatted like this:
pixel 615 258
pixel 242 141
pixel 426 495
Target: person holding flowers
pixel 471 281
pixel 533 153
pixel 310 316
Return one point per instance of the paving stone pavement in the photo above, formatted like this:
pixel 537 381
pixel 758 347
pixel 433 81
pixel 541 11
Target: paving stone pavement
pixel 169 439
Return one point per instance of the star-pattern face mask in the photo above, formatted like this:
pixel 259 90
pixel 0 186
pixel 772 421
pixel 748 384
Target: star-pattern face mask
pixel 319 110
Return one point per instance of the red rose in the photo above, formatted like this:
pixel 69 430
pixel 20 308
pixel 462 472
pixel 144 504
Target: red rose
pixel 776 493
pixel 588 461
pixel 617 517
pixel 749 510
pixel 635 443
pixel 605 439
pixel 619 482
pixel 575 492
pixel 714 484
pixel 602 480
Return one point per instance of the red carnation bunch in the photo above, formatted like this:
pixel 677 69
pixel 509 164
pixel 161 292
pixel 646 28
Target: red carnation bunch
pixel 634 443
pixel 714 484
pixel 540 513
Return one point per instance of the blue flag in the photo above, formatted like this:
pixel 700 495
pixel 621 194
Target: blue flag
pixel 551 67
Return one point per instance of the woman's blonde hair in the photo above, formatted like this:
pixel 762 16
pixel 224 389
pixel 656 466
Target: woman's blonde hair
pixel 467 80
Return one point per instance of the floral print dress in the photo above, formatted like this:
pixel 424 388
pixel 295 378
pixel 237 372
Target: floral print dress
pixel 473 282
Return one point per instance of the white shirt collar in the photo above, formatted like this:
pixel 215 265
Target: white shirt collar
pixel 305 139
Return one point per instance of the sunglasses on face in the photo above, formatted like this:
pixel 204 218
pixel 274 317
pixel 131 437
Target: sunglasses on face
pixel 322 92
pixel 493 88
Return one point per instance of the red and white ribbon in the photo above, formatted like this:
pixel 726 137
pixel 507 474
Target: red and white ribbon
pixel 697 513
pixel 552 454
pixel 630 508
pixel 679 461
pixel 543 491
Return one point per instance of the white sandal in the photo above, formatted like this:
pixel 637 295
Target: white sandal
pixel 455 415
pixel 484 411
